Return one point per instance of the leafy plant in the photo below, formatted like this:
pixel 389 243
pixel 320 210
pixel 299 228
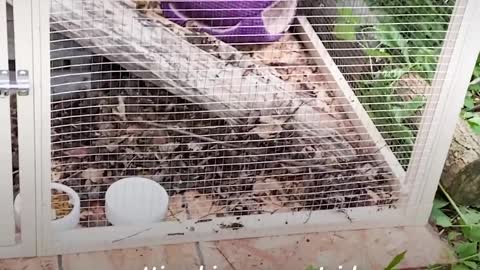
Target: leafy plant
pixel 396 261
pixel 345 28
pixel 438 215
pixel 471 109
pixel 403 41
pixel 463 227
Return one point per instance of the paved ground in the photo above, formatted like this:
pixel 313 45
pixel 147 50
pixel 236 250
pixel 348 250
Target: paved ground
pixel 366 249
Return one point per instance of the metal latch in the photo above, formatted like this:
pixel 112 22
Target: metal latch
pixel 20 87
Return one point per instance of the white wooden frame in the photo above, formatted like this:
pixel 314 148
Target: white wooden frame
pixel 356 112
pixel 7 224
pixel 458 59
pixel 25 240
pixel 415 212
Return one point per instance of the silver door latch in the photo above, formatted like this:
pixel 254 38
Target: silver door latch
pixel 20 87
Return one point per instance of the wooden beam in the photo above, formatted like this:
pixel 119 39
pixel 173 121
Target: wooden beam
pixel 351 105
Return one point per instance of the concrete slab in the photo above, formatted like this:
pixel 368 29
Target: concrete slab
pixel 365 249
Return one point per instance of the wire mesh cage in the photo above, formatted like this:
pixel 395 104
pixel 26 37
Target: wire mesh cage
pixel 249 114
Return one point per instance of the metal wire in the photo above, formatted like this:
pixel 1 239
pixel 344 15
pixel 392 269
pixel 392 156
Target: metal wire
pixel 244 123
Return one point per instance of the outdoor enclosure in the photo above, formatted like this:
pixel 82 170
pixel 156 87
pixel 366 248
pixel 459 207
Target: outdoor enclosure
pixel 256 117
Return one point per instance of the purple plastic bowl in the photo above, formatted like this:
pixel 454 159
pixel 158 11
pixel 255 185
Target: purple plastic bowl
pixel 217 12
pixel 260 23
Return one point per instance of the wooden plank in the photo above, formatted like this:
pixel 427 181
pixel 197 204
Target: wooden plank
pixel 7 222
pixel 22 14
pixel 352 106
pixel 188 231
pixel 42 94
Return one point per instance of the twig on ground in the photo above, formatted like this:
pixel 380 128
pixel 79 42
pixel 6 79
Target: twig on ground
pixel 184 132
pixel 454 205
pixel 225 257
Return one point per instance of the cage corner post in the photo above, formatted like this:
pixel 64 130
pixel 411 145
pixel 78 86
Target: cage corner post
pixel 22 10
pixel 437 128
pixel 41 78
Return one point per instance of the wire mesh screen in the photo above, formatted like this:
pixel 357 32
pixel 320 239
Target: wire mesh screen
pixel 225 106
pixel 388 51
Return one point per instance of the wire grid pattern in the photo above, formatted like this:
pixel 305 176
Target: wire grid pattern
pixel 247 125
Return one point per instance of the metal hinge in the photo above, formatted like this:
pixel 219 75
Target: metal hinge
pixel 20 87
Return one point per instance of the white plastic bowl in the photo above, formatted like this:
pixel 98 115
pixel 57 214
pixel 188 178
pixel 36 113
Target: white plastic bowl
pixel 135 201
pixel 70 221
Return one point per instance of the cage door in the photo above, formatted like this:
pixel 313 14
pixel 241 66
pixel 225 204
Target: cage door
pixel 7 222
pixel 17 135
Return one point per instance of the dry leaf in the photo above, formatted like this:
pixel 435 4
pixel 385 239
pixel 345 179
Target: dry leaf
pixel 159 140
pixel 88 184
pixel 134 130
pixel 175 210
pixel 92 174
pixel 267 132
pixel 93 215
pixel 194 146
pixel 78 152
pixel 111 147
pixel 168 147
pixel 271 204
pixel 199 205
pixel 373 195
pixel 269 127
pixel 287 51
pixel 84 214
pixel 266 186
pixel 120 109
pixel 57 176
pixel 114 144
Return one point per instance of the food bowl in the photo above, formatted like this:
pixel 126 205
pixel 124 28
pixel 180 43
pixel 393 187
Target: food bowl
pixel 135 201
pixel 68 221
pixel 234 21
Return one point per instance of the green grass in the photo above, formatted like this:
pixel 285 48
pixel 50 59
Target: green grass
pixel 460 226
pixel 406 41
pixel 471 110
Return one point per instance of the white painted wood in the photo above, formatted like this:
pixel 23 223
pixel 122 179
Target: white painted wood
pixel 104 238
pixel 11 53
pixel 436 131
pixel 7 222
pixel 22 10
pixel 41 82
pixel 354 108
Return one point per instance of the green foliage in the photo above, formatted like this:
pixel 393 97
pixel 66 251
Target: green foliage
pixel 467 249
pixel 438 216
pixel 345 27
pixel 409 32
pixel 463 233
pixel 396 261
pixel 471 216
pixel 471 109
pixel 460 267
pixel 405 40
